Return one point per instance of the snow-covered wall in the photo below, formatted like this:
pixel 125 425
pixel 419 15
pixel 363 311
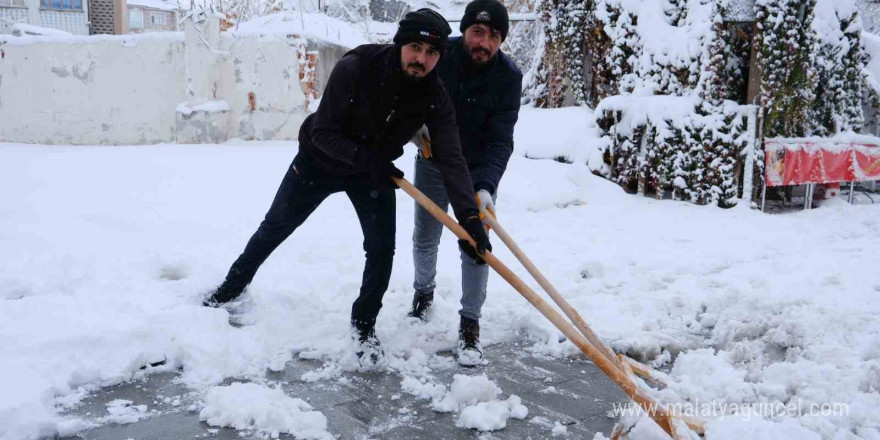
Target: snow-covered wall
pixel 91 90
pixel 131 89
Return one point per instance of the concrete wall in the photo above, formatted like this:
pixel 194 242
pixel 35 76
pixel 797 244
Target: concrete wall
pixel 266 96
pixel 91 90
pixel 112 90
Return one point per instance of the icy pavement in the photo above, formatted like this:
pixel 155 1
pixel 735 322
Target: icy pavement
pixel 571 393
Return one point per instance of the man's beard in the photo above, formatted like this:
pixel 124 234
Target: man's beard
pixel 414 78
pixel 475 63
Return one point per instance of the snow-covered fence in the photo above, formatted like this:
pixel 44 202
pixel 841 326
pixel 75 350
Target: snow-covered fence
pixel 200 85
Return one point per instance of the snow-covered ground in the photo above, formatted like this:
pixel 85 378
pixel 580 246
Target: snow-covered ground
pixel 105 253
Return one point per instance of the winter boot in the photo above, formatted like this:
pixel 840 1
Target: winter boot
pixel 369 350
pixel 222 295
pixel 470 353
pixel 422 302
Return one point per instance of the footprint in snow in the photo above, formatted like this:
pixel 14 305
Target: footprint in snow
pixel 173 272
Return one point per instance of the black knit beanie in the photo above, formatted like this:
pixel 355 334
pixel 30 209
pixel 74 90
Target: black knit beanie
pixel 423 25
pixel 488 12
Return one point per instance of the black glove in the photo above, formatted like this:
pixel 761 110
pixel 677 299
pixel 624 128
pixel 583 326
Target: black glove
pixel 381 172
pixel 475 228
pixel 380 169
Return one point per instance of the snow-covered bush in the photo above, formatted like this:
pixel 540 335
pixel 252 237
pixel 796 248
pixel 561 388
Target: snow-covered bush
pixel 683 145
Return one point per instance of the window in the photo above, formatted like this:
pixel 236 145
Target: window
pixel 135 19
pixel 19 3
pixel 61 4
pixel 157 18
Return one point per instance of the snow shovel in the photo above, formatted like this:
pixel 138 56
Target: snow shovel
pixel 621 375
pixel 572 314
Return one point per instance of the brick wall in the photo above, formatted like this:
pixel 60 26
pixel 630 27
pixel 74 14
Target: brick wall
pixel 101 16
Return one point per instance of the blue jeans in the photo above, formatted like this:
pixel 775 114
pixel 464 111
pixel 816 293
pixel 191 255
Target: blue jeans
pixel 304 187
pixel 426 238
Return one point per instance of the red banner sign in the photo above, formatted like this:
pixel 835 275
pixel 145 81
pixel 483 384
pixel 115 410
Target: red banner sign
pixel 802 161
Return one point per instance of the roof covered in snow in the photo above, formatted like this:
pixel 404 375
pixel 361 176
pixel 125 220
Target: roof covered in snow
pixel 165 5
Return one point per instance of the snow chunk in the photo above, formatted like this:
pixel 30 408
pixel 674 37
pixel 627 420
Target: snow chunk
pixel 492 416
pixel 558 429
pixel 467 391
pixel 422 389
pixel 268 411
pixel 123 412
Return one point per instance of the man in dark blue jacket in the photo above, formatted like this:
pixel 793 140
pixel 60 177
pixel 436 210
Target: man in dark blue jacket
pixel 485 86
pixel 376 99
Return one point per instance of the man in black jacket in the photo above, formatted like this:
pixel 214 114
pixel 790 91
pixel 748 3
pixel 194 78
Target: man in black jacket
pixel 376 99
pixel 485 86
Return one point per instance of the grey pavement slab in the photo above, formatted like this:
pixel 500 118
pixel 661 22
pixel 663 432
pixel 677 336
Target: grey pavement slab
pixel 361 407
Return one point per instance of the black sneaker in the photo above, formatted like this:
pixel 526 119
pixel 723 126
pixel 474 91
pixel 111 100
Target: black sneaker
pixel 470 353
pixel 422 302
pixel 369 351
pixel 222 295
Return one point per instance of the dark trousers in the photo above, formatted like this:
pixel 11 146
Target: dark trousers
pixel 304 187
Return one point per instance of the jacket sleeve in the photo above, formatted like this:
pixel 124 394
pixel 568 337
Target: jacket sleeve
pixel 499 139
pixel 446 153
pixel 328 133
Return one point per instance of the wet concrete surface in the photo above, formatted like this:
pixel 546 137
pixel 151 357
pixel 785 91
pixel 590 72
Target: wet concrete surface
pixel 360 406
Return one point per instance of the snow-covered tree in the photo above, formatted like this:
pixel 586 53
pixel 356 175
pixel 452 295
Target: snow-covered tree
pixel 786 47
pixel 560 71
pixel 841 79
pixel 546 87
pixel 619 24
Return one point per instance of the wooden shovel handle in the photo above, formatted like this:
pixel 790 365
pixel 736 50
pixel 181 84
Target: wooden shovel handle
pixel 654 409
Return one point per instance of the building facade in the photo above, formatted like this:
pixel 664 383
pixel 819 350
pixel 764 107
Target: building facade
pixel 65 15
pixel 152 16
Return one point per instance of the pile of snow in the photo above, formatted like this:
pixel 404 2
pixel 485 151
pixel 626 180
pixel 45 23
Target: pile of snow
pixel 535 125
pixel 254 408
pixel 23 29
pixel 475 398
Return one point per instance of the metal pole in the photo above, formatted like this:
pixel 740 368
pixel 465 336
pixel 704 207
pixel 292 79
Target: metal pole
pixel 808 199
pixel 764 196
pixel 852 189
pixel 749 170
